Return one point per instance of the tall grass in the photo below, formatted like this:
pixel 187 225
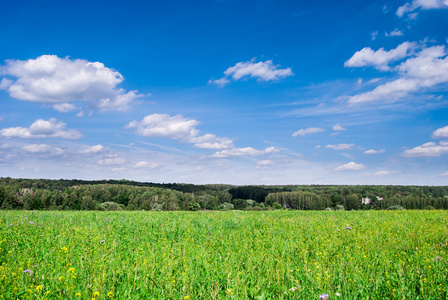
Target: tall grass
pixel 224 255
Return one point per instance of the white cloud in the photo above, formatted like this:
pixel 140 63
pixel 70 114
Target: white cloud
pixel 93 150
pixel 374 151
pixel 42 129
pixel 145 164
pixel 444 174
pixel 248 151
pixel 211 141
pixel 264 163
pixel 428 68
pixel 50 79
pixel 112 161
pixel 340 146
pixel 421 4
pixel 440 133
pixel 382 173
pixel 395 32
pixel 430 149
pixel 351 166
pixel 166 126
pixel 338 127
pixel 64 107
pixel 180 128
pixel 42 149
pixel 374 35
pixel 263 71
pixel 303 132
pixel 380 58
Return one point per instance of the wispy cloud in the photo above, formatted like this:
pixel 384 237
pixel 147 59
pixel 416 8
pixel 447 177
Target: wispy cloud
pixel 248 151
pixel 303 132
pixel 421 4
pixel 395 32
pixel 351 166
pixel 374 151
pixel 340 146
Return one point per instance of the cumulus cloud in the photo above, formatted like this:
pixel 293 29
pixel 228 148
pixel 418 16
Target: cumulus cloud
pixel 42 149
pixel 338 127
pixel 340 146
pixel 440 133
pixel 351 166
pixel 248 151
pixel 303 132
pixel 394 32
pixel 64 107
pixel 421 4
pixel 381 58
pixel 430 149
pixel 166 126
pixel 180 128
pixel 428 68
pixel 42 129
pixel 93 150
pixel 374 151
pixel 262 71
pixel 50 79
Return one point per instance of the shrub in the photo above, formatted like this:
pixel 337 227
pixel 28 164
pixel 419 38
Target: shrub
pixel 396 207
pixel 226 206
pixel 109 206
pixel 339 207
pixel 328 209
pixel 276 205
pixel 430 207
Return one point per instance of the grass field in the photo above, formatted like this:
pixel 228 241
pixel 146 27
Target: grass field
pixel 224 255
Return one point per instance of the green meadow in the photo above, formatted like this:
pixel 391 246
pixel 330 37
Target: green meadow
pixel 224 255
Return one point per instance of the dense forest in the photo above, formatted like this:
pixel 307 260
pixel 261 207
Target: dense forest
pixel 45 194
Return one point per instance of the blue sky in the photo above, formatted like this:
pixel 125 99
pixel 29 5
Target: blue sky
pixel 240 92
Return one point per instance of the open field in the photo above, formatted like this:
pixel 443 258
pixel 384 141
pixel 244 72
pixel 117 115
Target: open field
pixel 224 255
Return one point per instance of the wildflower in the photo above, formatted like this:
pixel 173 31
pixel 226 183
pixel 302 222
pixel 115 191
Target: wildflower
pixel 96 294
pixel 39 288
pixel 324 296
pixel 28 271
pixel 438 258
pixel 78 294
pixel 110 294
pixel 32 223
pixel 348 228
pixel 293 289
pixel 186 297
pixel 102 241
pixel 338 294
pixel 71 270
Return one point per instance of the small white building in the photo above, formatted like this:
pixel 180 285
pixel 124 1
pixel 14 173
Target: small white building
pixel 366 200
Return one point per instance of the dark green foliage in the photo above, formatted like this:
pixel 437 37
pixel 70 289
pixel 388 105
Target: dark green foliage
pixel 44 194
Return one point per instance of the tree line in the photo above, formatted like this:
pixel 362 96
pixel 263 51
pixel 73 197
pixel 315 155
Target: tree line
pixel 46 194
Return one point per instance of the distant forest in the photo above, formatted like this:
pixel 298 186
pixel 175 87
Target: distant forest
pixel 45 194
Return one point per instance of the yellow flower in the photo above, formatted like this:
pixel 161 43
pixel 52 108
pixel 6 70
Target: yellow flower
pixel 78 294
pixel 72 270
pixel 39 288
pixel 186 297
pixel 110 294
pixel 96 294
pixel 61 278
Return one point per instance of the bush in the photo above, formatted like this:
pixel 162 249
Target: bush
pixel 328 209
pixel 276 205
pixel 109 206
pixel 339 207
pixel 226 206
pixel 396 207
pixel 430 207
